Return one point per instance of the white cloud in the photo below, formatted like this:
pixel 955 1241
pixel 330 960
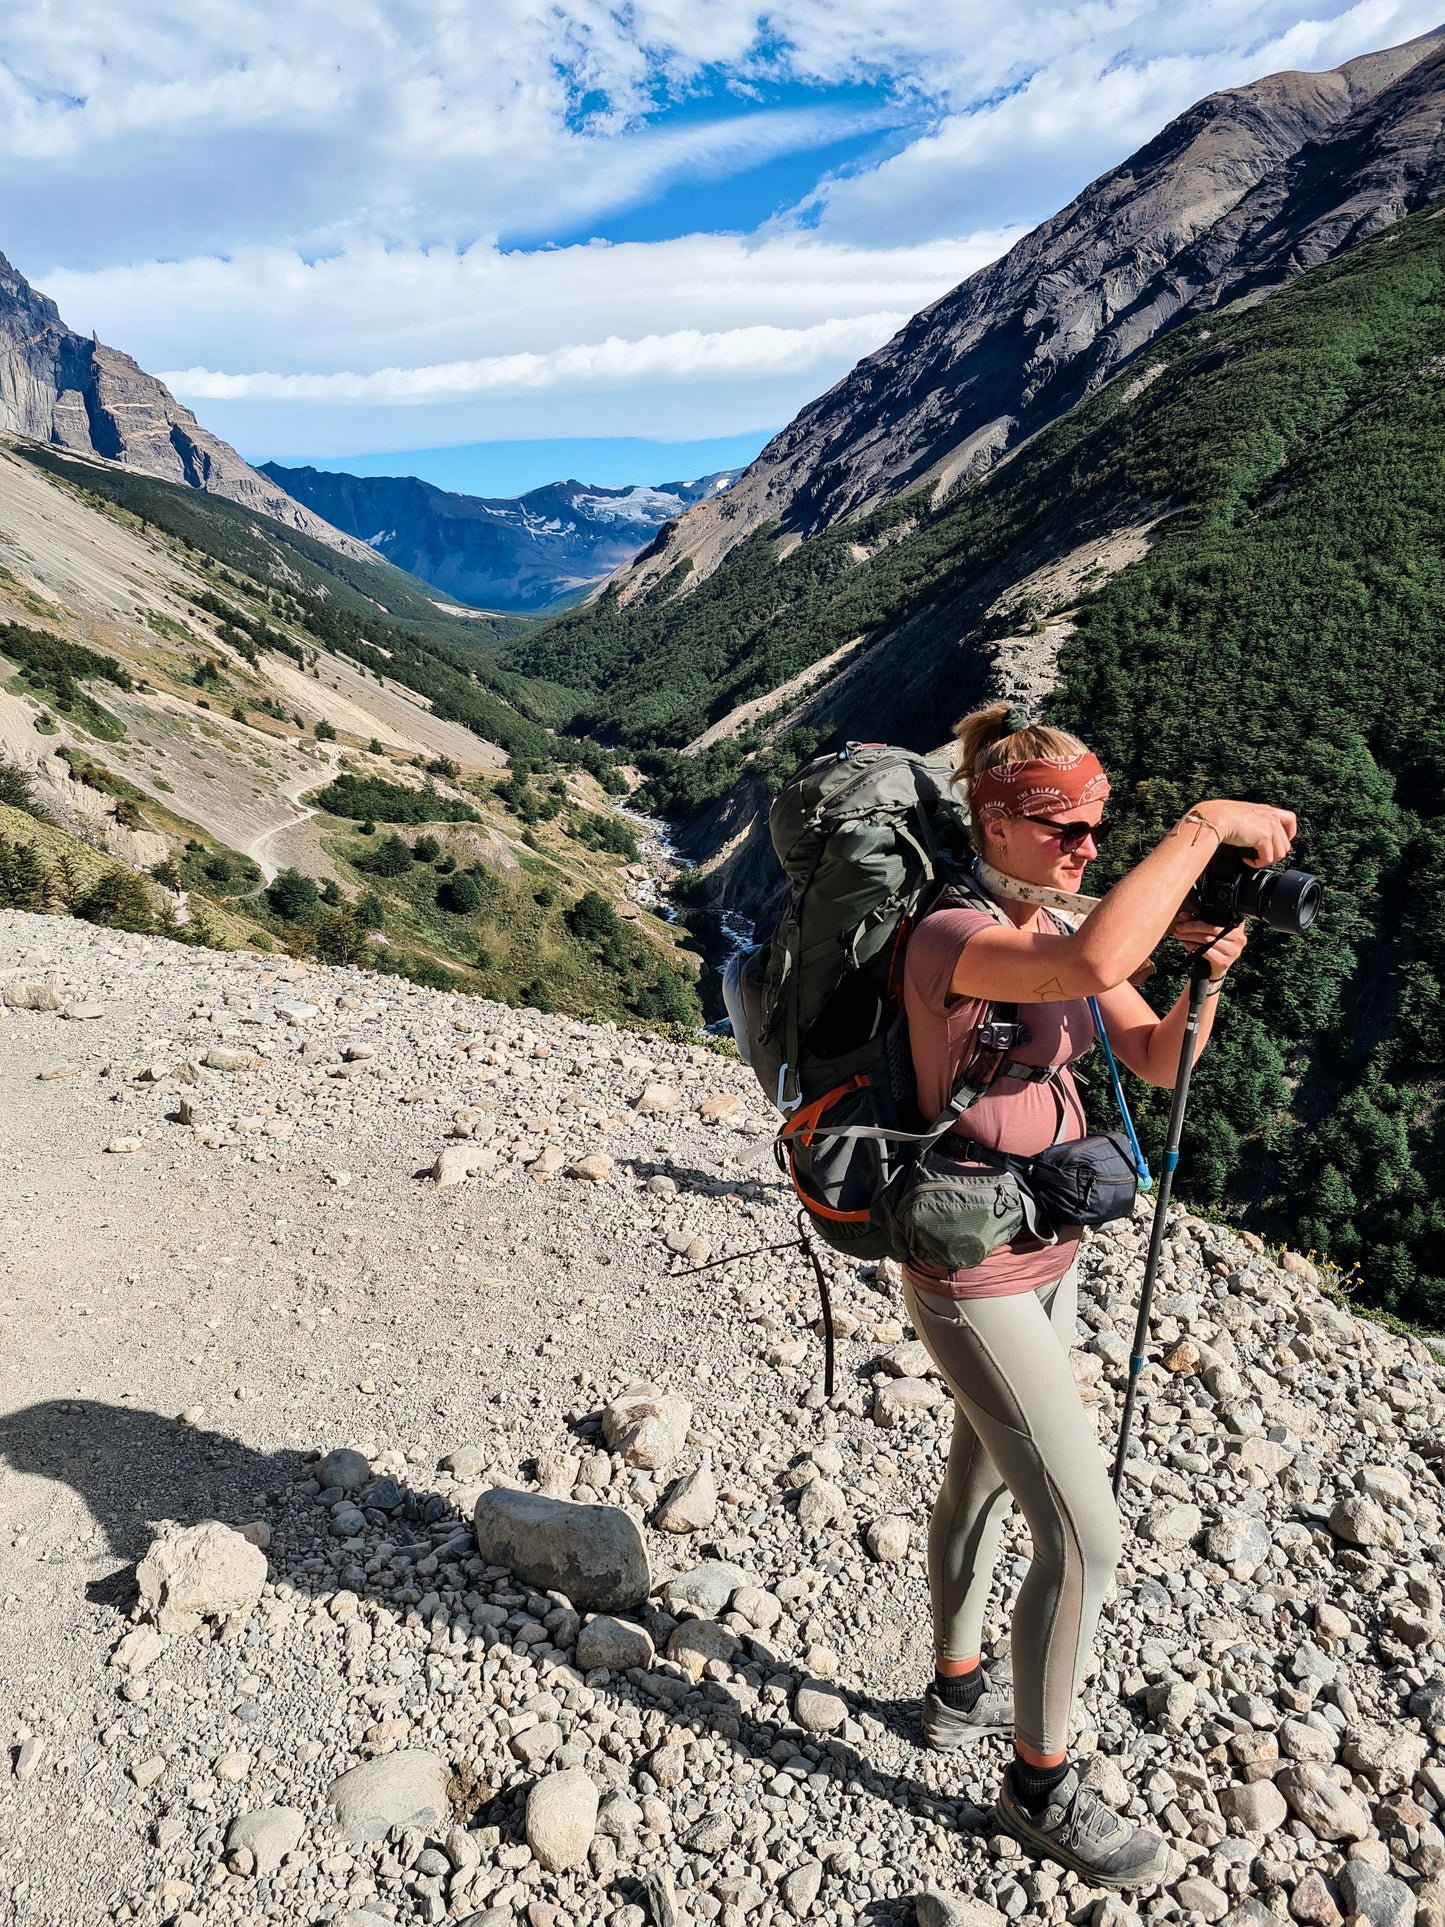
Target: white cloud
pixel 371 307
pixel 1090 104
pixel 687 355
pixel 307 202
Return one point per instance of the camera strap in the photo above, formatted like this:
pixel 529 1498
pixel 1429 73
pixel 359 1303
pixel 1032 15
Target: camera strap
pixel 999 884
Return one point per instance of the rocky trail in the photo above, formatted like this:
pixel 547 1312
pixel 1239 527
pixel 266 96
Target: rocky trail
pixel 543 1584
pixel 264 849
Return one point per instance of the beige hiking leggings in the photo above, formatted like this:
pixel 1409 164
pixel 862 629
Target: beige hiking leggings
pixel 1019 1431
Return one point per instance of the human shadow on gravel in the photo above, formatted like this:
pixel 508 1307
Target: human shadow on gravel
pixel 132 1466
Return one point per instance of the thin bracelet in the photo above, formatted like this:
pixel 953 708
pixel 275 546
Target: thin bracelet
pixel 1193 816
pixel 1214 986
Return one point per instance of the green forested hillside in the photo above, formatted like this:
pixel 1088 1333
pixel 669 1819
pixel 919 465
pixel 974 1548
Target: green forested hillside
pixel 1285 640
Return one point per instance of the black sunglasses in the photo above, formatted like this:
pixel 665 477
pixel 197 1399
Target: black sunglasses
pixel 1071 835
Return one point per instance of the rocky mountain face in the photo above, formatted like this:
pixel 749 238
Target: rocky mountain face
pixel 519 553
pixel 71 391
pixel 1233 199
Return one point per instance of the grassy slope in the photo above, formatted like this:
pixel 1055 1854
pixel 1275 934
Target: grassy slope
pixel 1285 639
pixel 270 551
pixel 513 947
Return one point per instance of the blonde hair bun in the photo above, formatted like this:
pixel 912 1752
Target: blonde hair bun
pixel 1003 732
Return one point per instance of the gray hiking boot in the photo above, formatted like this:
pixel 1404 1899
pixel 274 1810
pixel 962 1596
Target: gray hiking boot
pixel 1081 1833
pixel 946 1727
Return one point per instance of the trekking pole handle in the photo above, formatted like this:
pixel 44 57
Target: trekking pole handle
pixel 1198 979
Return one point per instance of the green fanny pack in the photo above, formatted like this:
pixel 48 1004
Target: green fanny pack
pixel 954 1213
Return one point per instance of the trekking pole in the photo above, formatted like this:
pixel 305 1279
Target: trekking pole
pixel 1198 978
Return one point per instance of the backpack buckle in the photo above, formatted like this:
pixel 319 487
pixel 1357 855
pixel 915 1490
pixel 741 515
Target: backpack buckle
pixel 1002 1036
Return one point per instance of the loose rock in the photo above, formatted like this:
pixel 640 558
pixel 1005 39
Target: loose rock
pixel 592 1553
pixel 647 1426
pixel 561 1819
pixel 691 1504
pixel 614 1643
pixel 406 1789
pixel 268 1834
pixel 199 1572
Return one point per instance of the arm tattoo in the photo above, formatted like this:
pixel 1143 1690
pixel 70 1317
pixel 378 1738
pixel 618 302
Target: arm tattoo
pixel 1050 993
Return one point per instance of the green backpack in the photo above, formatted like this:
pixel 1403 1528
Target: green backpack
pixel 871 839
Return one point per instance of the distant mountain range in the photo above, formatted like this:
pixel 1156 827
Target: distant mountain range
pixel 526 552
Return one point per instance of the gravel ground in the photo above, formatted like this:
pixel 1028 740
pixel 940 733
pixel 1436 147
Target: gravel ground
pixel 257 1214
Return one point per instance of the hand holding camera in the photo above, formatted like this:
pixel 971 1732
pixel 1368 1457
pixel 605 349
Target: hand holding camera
pixel 1237 881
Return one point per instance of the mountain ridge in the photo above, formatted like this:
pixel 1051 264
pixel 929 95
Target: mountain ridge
pixel 515 553
pixel 70 391
pixel 1237 195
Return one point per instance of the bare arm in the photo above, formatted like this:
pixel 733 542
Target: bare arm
pixel 1149 1045
pixel 1038 967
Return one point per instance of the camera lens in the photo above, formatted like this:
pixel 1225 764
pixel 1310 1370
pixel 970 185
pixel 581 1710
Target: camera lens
pixel 1286 899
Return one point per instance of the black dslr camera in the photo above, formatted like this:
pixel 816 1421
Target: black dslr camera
pixel 1229 891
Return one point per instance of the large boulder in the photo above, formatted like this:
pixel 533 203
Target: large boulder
pixel 205 1571
pixel 592 1553
pixel 407 1789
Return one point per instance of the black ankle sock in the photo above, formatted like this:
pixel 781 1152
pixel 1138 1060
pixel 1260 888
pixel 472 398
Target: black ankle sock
pixel 963 1690
pixel 1034 1784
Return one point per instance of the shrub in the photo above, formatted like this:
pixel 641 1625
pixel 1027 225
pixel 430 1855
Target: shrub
pixel 341 937
pixel 24 879
pixel 118 900
pixel 325 732
pixel 460 895
pixel 368 828
pixel 593 920
pixel 218 867
pixel 15 786
pixel 331 892
pixel 373 797
pixel 667 1000
pixel 291 895
pixel 536 996
pixel 369 910
pixel 390 858
pixel 426 849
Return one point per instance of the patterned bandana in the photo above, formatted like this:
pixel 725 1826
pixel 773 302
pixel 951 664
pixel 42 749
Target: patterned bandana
pixel 1041 787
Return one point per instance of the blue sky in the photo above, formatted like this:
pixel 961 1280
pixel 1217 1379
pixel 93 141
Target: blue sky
pixel 382 230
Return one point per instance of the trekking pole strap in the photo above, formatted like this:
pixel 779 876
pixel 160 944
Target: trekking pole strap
pixel 1141 1163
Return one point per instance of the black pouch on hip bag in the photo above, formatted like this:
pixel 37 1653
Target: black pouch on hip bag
pixel 1089 1181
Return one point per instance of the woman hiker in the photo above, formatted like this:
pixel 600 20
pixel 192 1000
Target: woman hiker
pixel 1000 1333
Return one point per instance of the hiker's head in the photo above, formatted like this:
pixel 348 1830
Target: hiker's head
pixel 1030 790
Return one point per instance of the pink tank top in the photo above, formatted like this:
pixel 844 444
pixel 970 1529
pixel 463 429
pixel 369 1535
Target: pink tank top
pixel 1013 1115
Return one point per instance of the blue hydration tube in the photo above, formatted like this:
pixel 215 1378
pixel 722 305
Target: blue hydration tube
pixel 1146 1182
